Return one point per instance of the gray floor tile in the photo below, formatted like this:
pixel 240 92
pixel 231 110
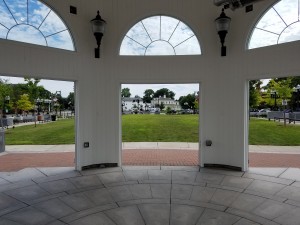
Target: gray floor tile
pixel 9 204
pixel 99 196
pixel 120 193
pixel 268 178
pixel 3 181
pixel 224 197
pixel 57 186
pixel 136 175
pixel 245 222
pixel 86 181
pixel 247 202
pixel 155 214
pixel 203 194
pixel 227 172
pixel 211 178
pixel 112 177
pixel 28 193
pixel 290 218
pixel 161 190
pixel 140 191
pixel 8 222
pixel 129 215
pixel 184 176
pixel 273 172
pixel 271 209
pixel 159 174
pixel 57 222
pixel 30 216
pixel 78 201
pixel 101 170
pixel 94 219
pixel 24 174
pixel 126 168
pixel 290 192
pixel 185 214
pixel 55 208
pixel 184 168
pixel 296 184
pixel 210 217
pixel 237 182
pixel 265 187
pixel 291 173
pixel 50 171
pixel 181 191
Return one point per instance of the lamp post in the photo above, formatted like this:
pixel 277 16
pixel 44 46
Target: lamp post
pixel 98 27
pixel 297 90
pixel 274 95
pixel 222 26
pixel 38 102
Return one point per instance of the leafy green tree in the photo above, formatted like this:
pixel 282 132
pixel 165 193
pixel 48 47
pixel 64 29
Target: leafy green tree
pixel 162 106
pixel 254 93
pixel 164 92
pixel 148 95
pixel 125 92
pixel 33 90
pixel 24 103
pixel 188 101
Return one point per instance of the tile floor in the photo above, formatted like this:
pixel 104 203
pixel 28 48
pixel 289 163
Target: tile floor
pixel 150 195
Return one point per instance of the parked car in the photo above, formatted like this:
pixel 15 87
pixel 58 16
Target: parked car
pixel 263 112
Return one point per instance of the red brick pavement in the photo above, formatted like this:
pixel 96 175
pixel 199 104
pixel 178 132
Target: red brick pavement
pixel 18 161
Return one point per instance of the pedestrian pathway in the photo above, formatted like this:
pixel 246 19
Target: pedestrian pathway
pixel 17 157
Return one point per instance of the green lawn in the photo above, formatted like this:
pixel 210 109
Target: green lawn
pixel 160 128
pixel 264 132
pixel 152 128
pixel 59 132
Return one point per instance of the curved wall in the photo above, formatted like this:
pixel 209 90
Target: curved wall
pixel 223 79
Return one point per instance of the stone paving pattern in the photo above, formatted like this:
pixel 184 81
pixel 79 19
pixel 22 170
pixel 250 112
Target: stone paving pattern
pixel 150 157
pixel 150 195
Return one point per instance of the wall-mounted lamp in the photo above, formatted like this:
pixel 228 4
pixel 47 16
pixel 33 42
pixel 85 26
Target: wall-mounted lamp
pixel 222 25
pixel 98 27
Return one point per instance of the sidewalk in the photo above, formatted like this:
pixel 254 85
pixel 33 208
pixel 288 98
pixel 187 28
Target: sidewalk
pixel 18 157
pixel 146 145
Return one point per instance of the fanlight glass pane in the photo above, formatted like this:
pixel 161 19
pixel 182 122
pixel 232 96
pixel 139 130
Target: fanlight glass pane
pixel 262 38
pixel 7 19
pixel 271 22
pixel 52 24
pixel 160 48
pixel 151 25
pixel 130 47
pixel 191 45
pixel 278 25
pixel 3 32
pixel 61 40
pixel 292 33
pixel 27 34
pixel 31 21
pixel 18 8
pixel 37 12
pixel 160 35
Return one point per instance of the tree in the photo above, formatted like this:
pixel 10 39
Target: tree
pixel 148 95
pixel 33 90
pixel 164 92
pixel 162 106
pixel 254 93
pixel 24 103
pixel 188 101
pixel 125 92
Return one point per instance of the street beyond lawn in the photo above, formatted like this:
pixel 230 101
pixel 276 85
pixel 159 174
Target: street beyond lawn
pixel 152 128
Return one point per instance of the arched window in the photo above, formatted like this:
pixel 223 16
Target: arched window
pixel 31 21
pixel 160 35
pixel 278 25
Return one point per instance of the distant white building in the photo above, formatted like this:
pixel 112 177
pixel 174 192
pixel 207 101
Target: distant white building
pixel 130 104
pixel 167 102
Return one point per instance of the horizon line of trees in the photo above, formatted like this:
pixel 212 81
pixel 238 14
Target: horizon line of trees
pixel 274 92
pixel 189 101
pixel 29 96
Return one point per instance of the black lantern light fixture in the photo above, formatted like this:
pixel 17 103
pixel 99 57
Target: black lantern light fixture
pixel 98 27
pixel 222 25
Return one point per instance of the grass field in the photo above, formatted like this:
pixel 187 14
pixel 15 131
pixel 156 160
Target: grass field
pixel 152 128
